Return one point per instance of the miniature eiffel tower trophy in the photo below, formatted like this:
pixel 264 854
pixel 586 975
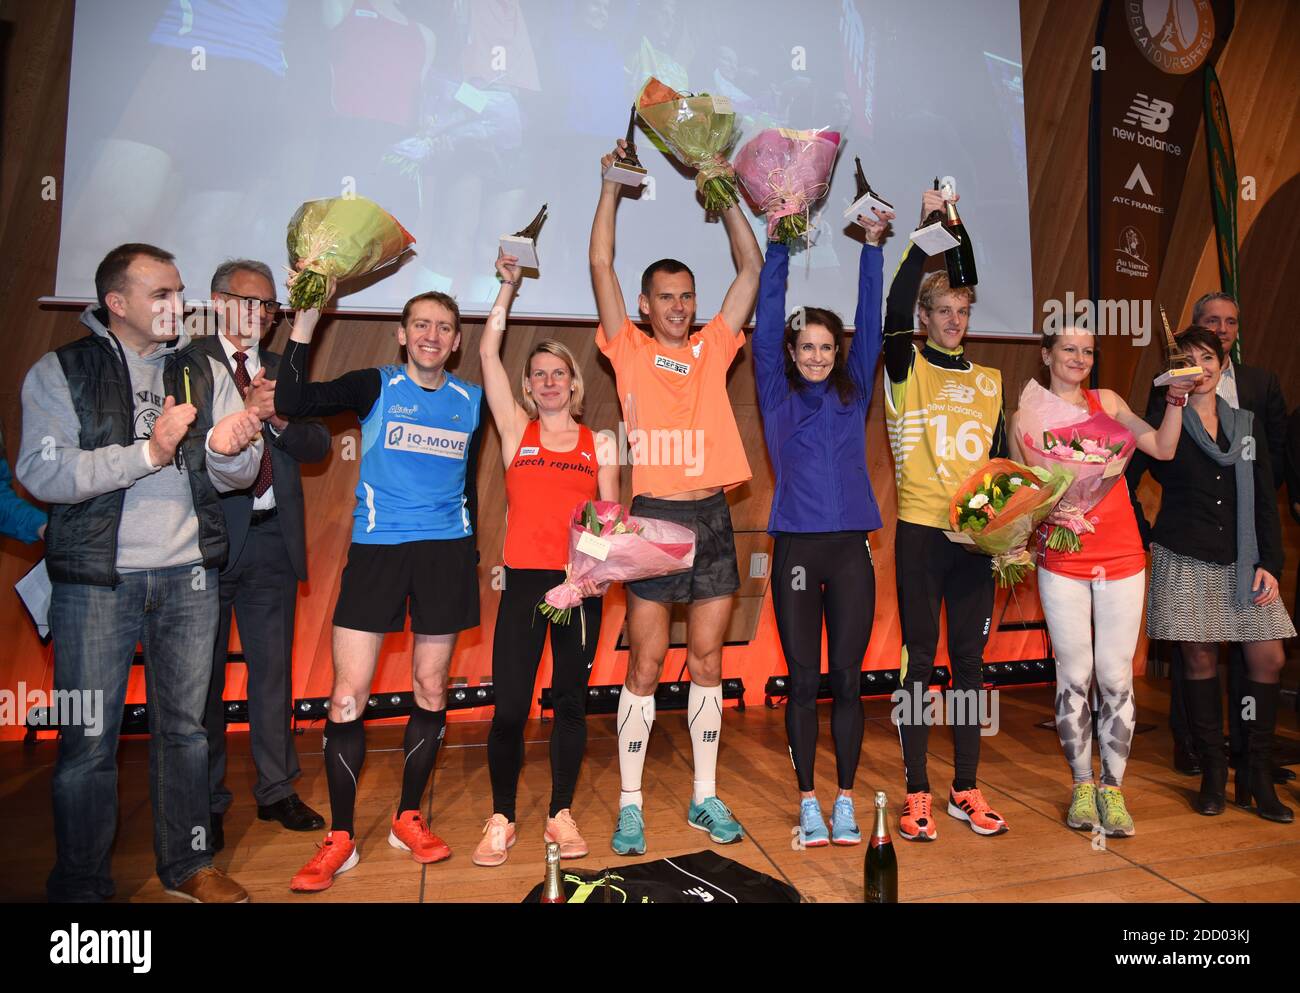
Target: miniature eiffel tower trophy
pixel 866 198
pixel 523 244
pixel 1179 365
pixel 628 171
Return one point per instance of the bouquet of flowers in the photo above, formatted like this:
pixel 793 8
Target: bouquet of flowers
pixel 339 238
pixel 784 173
pixel 1095 448
pixel 608 546
pixel 698 130
pixel 1000 506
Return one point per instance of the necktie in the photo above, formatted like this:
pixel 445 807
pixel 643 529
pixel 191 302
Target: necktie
pixel 244 382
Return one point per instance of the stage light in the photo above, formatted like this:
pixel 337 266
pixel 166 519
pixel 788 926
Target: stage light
pixel 669 696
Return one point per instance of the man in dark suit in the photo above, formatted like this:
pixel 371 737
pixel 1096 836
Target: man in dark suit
pixel 1250 388
pixel 268 556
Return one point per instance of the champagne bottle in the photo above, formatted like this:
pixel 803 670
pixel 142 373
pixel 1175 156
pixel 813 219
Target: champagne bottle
pixel 960 260
pixel 553 891
pixel 880 873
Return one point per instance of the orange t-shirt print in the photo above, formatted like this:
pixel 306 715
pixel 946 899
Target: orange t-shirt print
pixel 681 430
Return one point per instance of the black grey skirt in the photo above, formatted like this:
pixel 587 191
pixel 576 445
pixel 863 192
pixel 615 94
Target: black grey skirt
pixel 1191 600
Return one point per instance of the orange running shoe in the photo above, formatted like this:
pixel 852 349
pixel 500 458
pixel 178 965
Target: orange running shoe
pixel 336 854
pixel 411 834
pixel 916 822
pixel 970 806
pixel 563 830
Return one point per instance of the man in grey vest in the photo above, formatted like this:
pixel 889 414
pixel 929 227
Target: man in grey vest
pixel 128 434
pixel 268 555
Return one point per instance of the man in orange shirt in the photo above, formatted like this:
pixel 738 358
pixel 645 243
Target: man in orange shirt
pixel 686 451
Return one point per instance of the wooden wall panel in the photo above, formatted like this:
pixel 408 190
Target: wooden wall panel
pixel 1259 70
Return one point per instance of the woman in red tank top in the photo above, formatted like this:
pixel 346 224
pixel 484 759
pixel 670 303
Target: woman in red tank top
pixel 553 463
pixel 1104 582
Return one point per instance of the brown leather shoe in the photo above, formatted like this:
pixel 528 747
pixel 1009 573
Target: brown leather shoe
pixel 210 885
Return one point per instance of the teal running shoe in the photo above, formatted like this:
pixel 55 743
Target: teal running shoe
pixel 812 829
pixel 844 826
pixel 713 816
pixel 629 836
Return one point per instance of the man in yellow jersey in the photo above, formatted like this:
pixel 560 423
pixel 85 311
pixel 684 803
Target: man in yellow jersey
pixel 945 421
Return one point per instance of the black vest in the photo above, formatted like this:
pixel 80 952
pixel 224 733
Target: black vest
pixel 81 540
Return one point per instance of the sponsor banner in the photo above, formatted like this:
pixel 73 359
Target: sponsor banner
pixel 1146 108
pixel 1223 187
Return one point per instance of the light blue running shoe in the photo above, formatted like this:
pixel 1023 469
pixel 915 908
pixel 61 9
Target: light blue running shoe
pixel 629 836
pixel 844 826
pixel 713 816
pixel 812 828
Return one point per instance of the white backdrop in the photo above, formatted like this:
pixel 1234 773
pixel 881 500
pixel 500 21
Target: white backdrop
pixel 200 125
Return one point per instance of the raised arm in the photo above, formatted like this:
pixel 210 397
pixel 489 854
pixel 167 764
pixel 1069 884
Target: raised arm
pixel 900 306
pixel 296 397
pixel 864 351
pixel 600 255
pixel 510 417
pixel 769 327
pixel 738 304
pixel 1159 443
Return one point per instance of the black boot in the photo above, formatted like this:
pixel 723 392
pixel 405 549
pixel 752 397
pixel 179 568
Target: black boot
pixel 1185 761
pixel 1256 783
pixel 1205 722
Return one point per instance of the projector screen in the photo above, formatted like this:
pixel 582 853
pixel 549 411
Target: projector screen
pixel 201 125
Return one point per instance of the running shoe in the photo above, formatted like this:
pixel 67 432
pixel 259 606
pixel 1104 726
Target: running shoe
pixel 334 856
pixel 629 836
pixel 916 823
pixel 844 826
pixel 1083 814
pixel 411 834
pixel 1115 818
pixel 498 836
pixel 812 829
pixel 563 830
pixel 714 817
pixel 970 806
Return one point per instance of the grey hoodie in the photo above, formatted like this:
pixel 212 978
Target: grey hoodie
pixel 159 528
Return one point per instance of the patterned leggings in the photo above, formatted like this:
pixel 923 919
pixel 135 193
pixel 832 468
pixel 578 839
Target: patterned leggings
pixel 1072 607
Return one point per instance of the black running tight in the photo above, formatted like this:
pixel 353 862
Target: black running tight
pixel 516 654
pixel 829 577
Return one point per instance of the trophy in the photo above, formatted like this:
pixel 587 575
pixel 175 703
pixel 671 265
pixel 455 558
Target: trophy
pixel 866 198
pixel 1178 363
pixel 932 237
pixel 628 171
pixel 523 244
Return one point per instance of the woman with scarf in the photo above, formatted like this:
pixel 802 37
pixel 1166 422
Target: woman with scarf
pixel 1216 553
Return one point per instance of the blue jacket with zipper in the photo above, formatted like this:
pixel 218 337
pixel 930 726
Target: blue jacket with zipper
pixel 817 443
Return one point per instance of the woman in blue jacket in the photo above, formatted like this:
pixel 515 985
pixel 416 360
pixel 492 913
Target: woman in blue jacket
pixel 814 392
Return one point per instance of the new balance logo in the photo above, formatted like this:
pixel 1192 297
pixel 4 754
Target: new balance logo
pixel 700 892
pixel 1149 114
pixel 710 736
pixel 634 746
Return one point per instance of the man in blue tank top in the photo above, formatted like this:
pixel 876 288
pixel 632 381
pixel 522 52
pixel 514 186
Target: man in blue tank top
pixel 412 541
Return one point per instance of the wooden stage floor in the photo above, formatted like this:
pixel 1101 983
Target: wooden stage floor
pixel 1176 855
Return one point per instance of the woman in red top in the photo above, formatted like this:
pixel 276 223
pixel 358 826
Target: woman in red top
pixel 553 463
pixel 1103 582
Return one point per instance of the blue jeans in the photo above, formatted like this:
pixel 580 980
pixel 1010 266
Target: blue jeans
pixel 173 613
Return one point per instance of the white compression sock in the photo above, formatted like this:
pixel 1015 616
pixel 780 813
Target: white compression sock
pixel 704 704
pixel 636 715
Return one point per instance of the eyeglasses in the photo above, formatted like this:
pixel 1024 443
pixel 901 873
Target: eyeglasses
pixel 271 307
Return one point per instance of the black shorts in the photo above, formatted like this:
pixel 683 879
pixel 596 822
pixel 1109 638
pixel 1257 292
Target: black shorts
pixel 439 577
pixel 714 573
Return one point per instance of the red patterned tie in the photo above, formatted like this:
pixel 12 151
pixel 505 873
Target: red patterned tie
pixel 244 383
